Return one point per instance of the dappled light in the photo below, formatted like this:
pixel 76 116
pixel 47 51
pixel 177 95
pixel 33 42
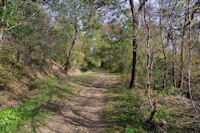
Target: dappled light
pixel 99 66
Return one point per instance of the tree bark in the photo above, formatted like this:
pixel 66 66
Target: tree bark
pixel 174 63
pixel 163 51
pixel 68 62
pixel 2 26
pixel 189 71
pixel 181 80
pixel 190 58
pixel 189 54
pixel 165 68
pixel 149 62
pixel 133 83
pixel 1 36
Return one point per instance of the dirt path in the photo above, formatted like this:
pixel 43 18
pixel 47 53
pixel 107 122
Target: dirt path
pixel 83 113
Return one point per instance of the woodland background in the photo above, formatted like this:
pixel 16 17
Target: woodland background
pixel 152 44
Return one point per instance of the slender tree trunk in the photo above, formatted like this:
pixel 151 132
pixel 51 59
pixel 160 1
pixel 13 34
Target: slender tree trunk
pixel 171 36
pixel 189 76
pixel 189 71
pixel 111 56
pixel 148 52
pixel 1 36
pixel 68 62
pixel 148 70
pixel 189 54
pixel 181 80
pixel 133 83
pixel 189 59
pixel 174 63
pixel 163 51
pixel 2 26
pixel 148 59
pixel 165 68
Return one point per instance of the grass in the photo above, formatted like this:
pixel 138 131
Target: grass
pixel 124 110
pixel 128 110
pixel 51 93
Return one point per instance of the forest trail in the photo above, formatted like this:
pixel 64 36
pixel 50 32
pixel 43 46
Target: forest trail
pixel 85 112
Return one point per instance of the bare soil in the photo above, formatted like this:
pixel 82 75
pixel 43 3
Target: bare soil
pixel 85 112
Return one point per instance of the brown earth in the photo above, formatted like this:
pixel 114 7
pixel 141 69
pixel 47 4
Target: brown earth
pixel 85 112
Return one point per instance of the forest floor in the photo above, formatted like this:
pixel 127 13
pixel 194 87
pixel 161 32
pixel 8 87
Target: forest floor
pixel 95 102
pixel 85 112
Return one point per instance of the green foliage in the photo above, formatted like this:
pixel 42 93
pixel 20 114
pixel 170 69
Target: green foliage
pixel 170 90
pixel 161 115
pixel 113 49
pixel 9 119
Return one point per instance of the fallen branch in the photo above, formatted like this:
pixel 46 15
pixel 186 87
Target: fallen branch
pixel 154 124
pixel 152 113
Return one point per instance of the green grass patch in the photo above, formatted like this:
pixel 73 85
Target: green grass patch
pixel 128 110
pixel 85 78
pixel 125 113
pixel 35 112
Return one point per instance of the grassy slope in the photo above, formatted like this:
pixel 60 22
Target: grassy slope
pixel 128 111
pixel 51 94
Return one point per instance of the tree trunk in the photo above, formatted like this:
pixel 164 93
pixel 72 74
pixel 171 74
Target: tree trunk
pixel 2 27
pixel 68 62
pixel 181 80
pixel 189 71
pixel 174 63
pixel 163 51
pixel 133 83
pixel 189 54
pixel 111 56
pixel 148 59
pixel 189 59
pixel 165 69
pixel 1 36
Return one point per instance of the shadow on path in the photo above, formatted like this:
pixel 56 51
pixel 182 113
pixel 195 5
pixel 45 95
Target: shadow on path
pixel 83 113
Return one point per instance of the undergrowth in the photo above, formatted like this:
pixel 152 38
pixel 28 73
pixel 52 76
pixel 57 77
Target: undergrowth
pixel 9 71
pixel 129 110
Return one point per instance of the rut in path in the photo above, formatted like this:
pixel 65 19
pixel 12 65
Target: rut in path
pixel 83 113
